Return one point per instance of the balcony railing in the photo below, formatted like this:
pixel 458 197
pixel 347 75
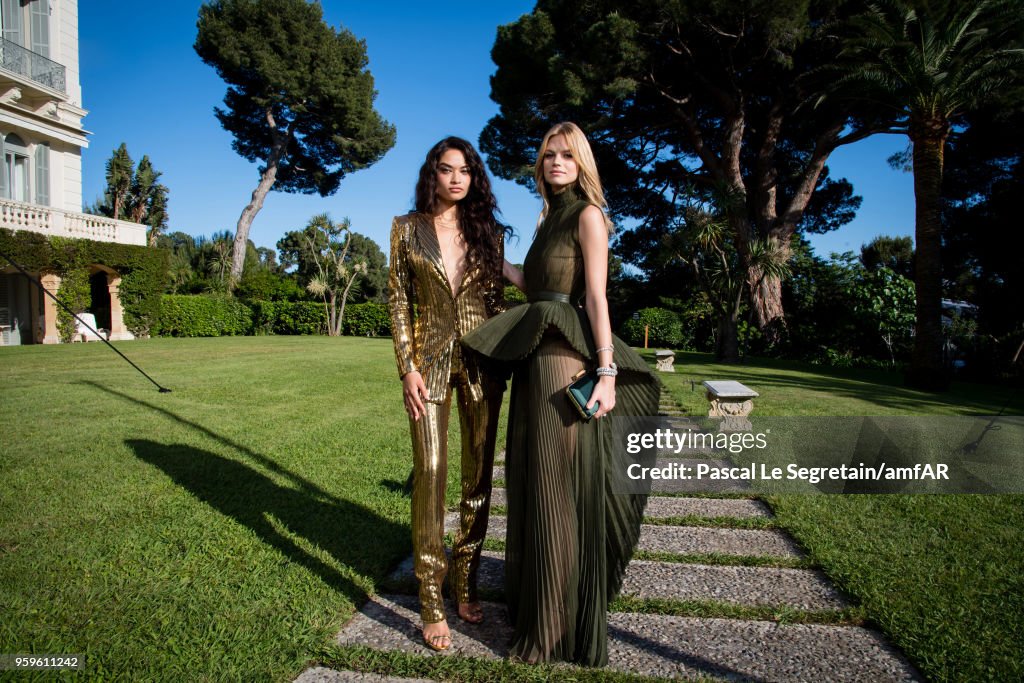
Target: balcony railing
pixel 50 221
pixel 32 65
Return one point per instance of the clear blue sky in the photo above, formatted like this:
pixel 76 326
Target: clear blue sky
pixel 143 84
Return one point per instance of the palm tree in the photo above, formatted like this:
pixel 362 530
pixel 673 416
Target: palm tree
pixel 927 62
pixel 705 243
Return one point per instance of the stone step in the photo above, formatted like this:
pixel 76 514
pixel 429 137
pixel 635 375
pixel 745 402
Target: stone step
pixel 658 645
pixel 659 506
pixel 749 586
pixel 684 540
pixel 701 485
pixel 662 506
pixel 321 674
pixel 693 485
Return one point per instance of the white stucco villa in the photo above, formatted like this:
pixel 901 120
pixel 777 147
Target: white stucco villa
pixel 41 142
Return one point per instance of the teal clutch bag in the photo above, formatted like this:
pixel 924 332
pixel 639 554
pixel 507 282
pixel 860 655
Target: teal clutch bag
pixel 579 391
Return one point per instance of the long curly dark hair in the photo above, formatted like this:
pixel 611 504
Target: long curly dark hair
pixel 477 211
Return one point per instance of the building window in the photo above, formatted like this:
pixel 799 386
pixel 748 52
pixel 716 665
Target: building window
pixel 42 159
pixel 14 179
pixel 24 176
pixel 27 23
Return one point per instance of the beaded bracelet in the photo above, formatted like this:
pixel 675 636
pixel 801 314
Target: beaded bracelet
pixel 606 348
pixel 610 371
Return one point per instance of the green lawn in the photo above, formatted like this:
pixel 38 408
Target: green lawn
pixel 225 531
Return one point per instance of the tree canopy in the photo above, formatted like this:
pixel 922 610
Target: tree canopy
pixel 134 193
pixel 299 99
pixel 925 64
pixel 683 100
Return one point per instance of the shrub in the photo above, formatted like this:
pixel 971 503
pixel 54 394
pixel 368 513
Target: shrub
pixel 665 328
pixel 288 317
pixel 368 319
pixel 845 359
pixel 204 315
pixel 261 284
pixel 513 295
pixel 74 284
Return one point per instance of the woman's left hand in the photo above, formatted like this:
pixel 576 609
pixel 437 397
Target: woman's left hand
pixel 604 393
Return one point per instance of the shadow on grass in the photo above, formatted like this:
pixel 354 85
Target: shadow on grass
pixel 346 531
pixel 398 487
pixel 354 535
pixel 880 387
pixel 302 483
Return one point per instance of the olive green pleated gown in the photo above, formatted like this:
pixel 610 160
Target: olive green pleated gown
pixel 569 536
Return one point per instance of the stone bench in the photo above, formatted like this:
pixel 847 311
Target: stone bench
pixel 731 401
pixel 665 360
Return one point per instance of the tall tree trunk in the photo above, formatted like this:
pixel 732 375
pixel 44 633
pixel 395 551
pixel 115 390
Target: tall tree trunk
pixel 344 299
pixel 332 317
pixel 766 302
pixel 926 368
pixel 727 346
pixel 256 203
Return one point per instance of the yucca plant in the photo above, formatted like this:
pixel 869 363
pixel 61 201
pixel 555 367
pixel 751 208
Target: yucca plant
pixel 335 275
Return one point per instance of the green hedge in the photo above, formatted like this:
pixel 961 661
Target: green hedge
pixel 143 271
pixel 665 328
pixel 288 317
pixel 369 319
pixel 215 315
pixel 204 316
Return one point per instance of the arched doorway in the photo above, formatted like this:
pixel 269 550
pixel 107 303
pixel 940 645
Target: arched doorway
pixel 104 288
pixel 99 290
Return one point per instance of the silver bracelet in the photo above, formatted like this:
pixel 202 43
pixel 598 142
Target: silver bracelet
pixel 610 371
pixel 606 348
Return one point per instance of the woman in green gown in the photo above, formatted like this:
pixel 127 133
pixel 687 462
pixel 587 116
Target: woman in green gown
pixel 569 536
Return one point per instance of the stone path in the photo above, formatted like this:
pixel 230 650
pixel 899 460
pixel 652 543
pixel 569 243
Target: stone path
pixel 658 644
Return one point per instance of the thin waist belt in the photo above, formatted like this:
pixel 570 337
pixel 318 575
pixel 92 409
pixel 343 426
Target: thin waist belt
pixel 545 295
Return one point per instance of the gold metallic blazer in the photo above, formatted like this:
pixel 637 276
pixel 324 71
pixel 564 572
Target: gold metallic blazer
pixel 427 337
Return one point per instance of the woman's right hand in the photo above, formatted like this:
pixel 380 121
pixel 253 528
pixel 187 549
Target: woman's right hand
pixel 415 393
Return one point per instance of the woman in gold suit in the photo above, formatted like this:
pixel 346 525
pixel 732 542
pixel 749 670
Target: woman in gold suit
pixel 447 260
pixel 569 537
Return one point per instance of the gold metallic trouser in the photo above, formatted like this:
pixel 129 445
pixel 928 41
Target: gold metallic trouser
pixel 479 425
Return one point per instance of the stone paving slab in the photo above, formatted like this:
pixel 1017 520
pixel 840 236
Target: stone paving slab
pixel 661 506
pixel 658 645
pixel 749 586
pixel 665 506
pixel 687 540
pixel 734 649
pixel 320 674
pixel 702 485
pixel 683 540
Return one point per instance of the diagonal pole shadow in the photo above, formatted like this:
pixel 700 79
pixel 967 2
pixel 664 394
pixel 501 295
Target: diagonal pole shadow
pixel 342 529
pixel 302 483
pixel 349 532
pixel 677 655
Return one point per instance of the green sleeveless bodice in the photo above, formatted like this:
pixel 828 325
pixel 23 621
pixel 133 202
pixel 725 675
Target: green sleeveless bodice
pixel 555 260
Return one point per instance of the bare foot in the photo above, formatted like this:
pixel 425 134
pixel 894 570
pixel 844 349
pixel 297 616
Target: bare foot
pixel 471 612
pixel 437 636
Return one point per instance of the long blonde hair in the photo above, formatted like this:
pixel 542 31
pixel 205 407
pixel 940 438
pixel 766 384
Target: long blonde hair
pixel 588 183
